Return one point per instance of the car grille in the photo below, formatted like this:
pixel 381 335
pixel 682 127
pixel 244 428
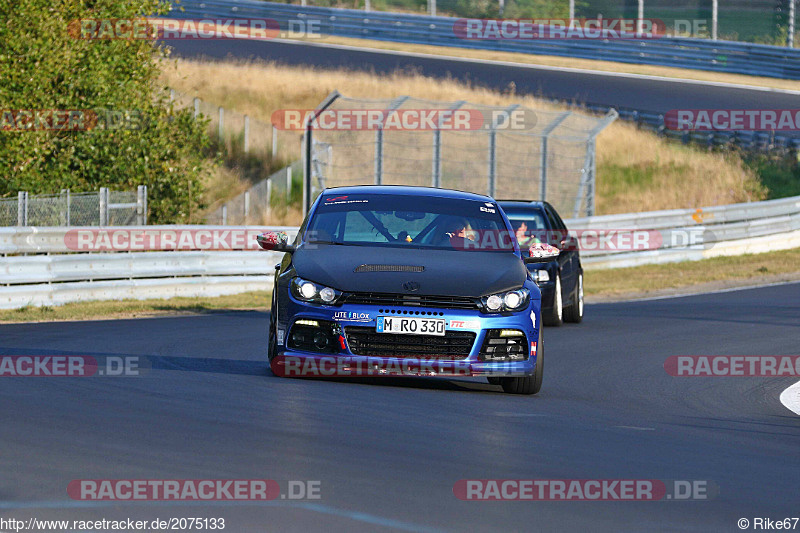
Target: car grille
pixel 386 299
pixel 454 345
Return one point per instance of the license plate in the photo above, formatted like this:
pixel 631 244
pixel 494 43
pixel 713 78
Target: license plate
pixel 411 326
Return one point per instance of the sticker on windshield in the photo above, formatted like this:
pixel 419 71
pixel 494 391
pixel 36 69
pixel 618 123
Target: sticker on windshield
pixel 488 210
pixel 339 200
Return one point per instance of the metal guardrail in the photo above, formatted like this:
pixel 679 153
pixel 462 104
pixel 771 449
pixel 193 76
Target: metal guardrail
pixel 701 54
pixel 66 277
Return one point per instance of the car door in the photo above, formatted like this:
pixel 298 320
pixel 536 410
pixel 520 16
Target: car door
pixel 566 259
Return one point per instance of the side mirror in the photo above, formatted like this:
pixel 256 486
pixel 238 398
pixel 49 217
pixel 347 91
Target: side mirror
pixel 276 241
pixel 541 252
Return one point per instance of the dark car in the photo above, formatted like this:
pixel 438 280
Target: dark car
pixel 561 279
pixel 388 280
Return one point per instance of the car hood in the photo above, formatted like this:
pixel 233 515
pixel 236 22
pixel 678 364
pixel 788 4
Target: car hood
pixel 446 273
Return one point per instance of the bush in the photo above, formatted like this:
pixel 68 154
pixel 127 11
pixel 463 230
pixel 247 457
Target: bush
pixel 44 67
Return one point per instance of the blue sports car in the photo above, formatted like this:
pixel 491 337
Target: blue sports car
pixel 391 280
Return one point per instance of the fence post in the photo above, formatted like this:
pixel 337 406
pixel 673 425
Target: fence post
pixel 141 205
pixel 171 95
pixel 274 142
pixel 379 155
pixel 246 133
pixel 225 215
pixel 64 208
pixel 367 6
pixel 22 208
pixel 590 183
pixel 714 19
pixel 432 7
pixel 269 196
pixel 437 158
pixel 790 34
pixel 288 183
pixel 196 103
pixel 640 18
pixel 221 129
pixel 246 206
pixel 69 208
pixel 543 162
pixel 492 160
pixel 103 198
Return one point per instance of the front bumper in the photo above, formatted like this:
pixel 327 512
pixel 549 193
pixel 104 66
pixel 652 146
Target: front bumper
pixel 343 362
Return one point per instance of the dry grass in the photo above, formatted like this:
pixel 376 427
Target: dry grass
pixel 637 171
pixel 648 279
pixel 257 300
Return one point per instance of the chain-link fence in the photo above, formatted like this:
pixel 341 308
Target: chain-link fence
pixel 763 21
pixel 102 208
pixel 257 204
pixel 507 153
pixel 235 132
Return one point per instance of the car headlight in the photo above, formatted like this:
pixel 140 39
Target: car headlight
pixel 506 301
pixel 308 291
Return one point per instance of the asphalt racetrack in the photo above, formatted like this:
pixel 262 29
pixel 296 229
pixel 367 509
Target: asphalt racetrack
pixel 387 452
pixel 582 87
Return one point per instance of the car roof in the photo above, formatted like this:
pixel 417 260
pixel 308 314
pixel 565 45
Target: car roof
pixel 521 204
pixel 406 190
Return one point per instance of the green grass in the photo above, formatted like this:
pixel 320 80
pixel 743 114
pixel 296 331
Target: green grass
pixel 780 175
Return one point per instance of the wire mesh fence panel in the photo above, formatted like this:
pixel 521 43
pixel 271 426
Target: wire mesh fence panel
pixel 505 152
pixel 8 212
pixel 120 208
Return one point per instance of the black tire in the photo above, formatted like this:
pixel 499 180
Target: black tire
pixel 272 343
pixel 574 313
pixel 494 380
pixel 555 317
pixel 531 384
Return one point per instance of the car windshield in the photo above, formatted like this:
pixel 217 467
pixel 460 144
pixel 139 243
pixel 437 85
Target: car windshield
pixel 409 221
pixel 528 227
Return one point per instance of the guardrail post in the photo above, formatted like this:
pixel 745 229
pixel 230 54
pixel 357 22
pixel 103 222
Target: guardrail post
pixel 196 103
pixel 221 128
pixel 103 206
pixel 246 133
pixel 141 205
pixel 22 208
